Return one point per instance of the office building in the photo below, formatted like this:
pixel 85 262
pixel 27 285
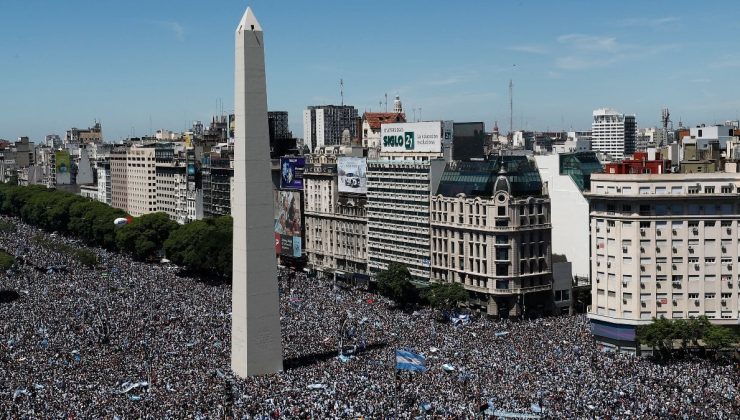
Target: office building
pixel 399 186
pixel 613 134
pixel 323 125
pixel 662 246
pixel 490 232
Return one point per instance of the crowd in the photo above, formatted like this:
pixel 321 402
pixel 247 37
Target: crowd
pixel 132 340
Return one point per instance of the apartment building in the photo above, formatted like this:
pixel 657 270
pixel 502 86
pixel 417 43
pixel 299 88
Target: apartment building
pixel 133 179
pixel 490 232
pixel 662 246
pixel 613 134
pixel 335 213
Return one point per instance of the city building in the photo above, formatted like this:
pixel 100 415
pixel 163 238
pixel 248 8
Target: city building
pixel 566 177
pixel 171 183
pixel 662 246
pixel 323 125
pixel 217 171
pixel 335 213
pixel 133 179
pixel 371 122
pixel 468 140
pixel 490 232
pixel 92 134
pixel 613 134
pixel 639 164
pixel 281 138
pixel 399 186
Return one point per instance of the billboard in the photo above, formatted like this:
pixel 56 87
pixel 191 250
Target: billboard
pixel 352 172
pixel 62 162
pixel 288 223
pixel 411 137
pixel 291 173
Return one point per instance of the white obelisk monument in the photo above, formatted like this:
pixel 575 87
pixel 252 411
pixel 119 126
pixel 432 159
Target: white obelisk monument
pixel 256 348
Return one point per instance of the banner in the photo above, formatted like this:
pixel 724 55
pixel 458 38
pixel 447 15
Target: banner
pixel 291 173
pixel 352 172
pixel 288 224
pixel 411 137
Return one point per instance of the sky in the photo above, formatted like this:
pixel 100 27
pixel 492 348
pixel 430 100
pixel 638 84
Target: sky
pixel 142 65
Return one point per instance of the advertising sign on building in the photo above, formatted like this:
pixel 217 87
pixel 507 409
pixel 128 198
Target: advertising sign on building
pixel 411 137
pixel 352 173
pixel 62 162
pixel 291 173
pixel 288 224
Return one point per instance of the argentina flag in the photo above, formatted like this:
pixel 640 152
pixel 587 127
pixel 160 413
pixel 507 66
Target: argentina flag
pixel 406 360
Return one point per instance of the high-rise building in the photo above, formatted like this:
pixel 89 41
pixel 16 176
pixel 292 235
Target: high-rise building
pixel 281 138
pixel 133 179
pixel 170 181
pixel 217 171
pixel 323 125
pixel 662 246
pixel 613 134
pixel 490 232
pixel 399 185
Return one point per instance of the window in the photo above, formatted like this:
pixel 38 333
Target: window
pixel 693 296
pixel 709 190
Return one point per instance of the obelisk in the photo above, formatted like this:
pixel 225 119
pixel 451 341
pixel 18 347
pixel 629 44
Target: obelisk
pixel 256 348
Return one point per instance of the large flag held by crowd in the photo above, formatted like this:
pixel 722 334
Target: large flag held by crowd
pixel 406 360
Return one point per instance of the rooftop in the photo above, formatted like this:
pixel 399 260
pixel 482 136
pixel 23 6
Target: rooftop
pixel 477 179
pixel 374 119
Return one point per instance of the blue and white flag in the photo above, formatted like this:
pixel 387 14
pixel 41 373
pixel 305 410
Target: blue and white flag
pixel 406 360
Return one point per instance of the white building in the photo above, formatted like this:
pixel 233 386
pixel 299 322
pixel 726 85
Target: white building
pixel 566 177
pixel 663 246
pixel 613 134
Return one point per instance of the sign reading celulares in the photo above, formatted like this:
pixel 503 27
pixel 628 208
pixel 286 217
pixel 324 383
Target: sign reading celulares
pixel 411 137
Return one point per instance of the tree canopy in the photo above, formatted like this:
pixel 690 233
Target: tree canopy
pixel 203 246
pixel 395 284
pixel 144 237
pixel 446 295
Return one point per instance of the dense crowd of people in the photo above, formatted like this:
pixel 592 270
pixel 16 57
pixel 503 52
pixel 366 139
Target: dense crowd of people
pixel 130 340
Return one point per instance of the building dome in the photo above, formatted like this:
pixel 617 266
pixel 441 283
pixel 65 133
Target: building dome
pixel 397 107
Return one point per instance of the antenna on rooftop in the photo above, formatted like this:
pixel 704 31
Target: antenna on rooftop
pixel 341 90
pixel 511 106
pixel 386 102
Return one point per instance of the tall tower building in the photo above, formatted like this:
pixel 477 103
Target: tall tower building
pixel 256 348
pixel 613 133
pixel 323 125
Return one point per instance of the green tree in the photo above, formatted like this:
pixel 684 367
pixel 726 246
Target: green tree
pixel 203 246
pixel 658 334
pixel 395 284
pixel 717 338
pixel 144 237
pixel 446 295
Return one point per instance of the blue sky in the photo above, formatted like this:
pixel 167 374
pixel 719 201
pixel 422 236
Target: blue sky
pixel 65 63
